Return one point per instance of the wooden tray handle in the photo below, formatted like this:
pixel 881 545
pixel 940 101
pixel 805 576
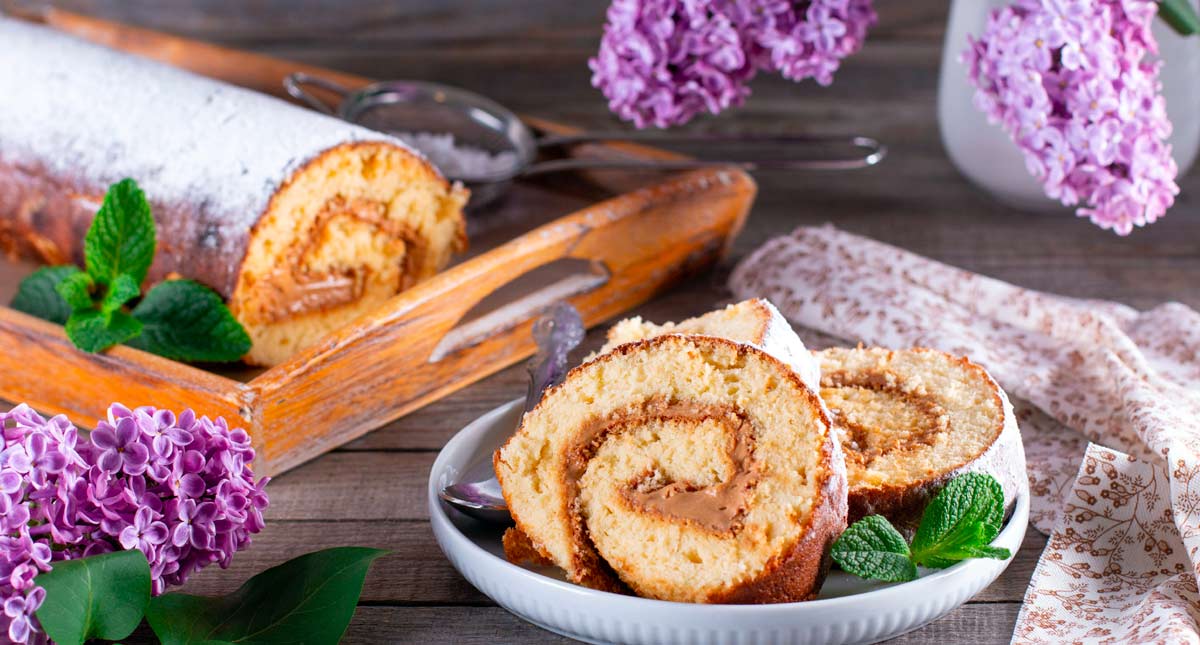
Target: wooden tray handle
pixel 504 317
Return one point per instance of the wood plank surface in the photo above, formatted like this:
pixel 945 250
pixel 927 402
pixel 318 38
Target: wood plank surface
pixel 531 55
pixel 417 574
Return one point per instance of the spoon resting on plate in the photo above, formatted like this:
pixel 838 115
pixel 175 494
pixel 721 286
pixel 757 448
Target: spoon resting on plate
pixel 556 332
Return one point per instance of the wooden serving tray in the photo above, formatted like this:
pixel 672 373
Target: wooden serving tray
pixel 614 240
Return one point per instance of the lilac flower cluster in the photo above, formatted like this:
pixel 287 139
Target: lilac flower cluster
pixel 178 489
pixel 1070 82
pixel 661 62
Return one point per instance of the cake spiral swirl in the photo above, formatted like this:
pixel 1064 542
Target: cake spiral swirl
pixel 682 467
pixel 910 420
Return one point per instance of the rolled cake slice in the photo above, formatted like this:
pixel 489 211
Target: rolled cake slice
pixel 685 468
pixel 933 414
pixel 755 321
pixel 301 221
pixel 910 420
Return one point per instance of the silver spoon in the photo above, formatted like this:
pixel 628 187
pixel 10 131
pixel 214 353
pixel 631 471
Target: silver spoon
pixel 556 333
pixel 418 106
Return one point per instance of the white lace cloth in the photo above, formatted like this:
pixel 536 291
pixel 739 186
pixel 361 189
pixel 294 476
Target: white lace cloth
pixel 1123 511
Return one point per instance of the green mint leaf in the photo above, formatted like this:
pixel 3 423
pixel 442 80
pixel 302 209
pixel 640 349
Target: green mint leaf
pixel 121 291
pixel 38 296
pixel 121 237
pixel 1180 15
pixel 958 545
pixel 185 320
pixel 76 289
pixel 309 599
pixel 102 596
pixel 96 331
pixel 997 552
pixel 966 514
pixel 873 548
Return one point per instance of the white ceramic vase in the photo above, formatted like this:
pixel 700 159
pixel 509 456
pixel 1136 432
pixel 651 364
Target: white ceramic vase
pixel 984 153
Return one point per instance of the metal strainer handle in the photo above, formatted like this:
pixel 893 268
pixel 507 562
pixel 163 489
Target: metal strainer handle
pixel 871 152
pixel 294 84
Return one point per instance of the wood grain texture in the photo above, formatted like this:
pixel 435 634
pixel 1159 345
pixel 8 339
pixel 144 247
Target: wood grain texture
pixel 71 382
pixel 531 55
pixel 418 574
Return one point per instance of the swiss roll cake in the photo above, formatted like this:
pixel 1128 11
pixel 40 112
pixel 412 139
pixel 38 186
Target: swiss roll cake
pixel 681 467
pixel 302 222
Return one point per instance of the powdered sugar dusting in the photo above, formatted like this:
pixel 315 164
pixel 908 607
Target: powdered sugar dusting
pixel 782 342
pixel 82 111
pixel 460 160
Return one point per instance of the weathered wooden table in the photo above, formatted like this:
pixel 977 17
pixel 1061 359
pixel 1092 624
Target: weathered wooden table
pixel 531 55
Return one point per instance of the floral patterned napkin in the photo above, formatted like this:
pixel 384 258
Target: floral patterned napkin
pixel 1123 511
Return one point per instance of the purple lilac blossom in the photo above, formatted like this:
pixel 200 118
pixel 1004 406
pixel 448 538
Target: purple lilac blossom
pixel 1073 83
pixel 178 489
pixel 661 62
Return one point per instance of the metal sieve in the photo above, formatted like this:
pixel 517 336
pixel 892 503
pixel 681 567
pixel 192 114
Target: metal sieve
pixel 419 106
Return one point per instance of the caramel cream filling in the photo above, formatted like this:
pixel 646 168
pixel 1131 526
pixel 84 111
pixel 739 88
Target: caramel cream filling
pixel 878 414
pixel 718 508
pixel 301 285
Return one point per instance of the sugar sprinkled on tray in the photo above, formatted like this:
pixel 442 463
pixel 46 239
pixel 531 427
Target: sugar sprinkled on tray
pixel 459 160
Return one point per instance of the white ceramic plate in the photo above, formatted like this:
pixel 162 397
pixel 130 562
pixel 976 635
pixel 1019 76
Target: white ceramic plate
pixel 849 610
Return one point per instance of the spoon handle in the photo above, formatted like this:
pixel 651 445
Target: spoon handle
pixel 868 152
pixel 558 331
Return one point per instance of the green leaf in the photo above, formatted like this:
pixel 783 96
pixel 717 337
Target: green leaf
pixel 96 331
pixel 121 237
pixel 309 599
pixel 121 291
pixel 873 548
pixel 102 596
pixel 1180 15
pixel 965 515
pixel 960 544
pixel 988 551
pixel 76 289
pixel 37 295
pixel 185 320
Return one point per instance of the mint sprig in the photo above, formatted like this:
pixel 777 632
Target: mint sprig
pixel 873 548
pixel 960 523
pixel 38 293
pixel 96 331
pixel 121 239
pixel 180 319
pixel 963 519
